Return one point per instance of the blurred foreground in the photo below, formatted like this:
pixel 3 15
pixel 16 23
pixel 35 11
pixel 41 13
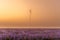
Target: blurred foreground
pixel 29 34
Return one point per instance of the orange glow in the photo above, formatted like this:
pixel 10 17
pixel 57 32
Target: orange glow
pixel 44 12
pixel 12 9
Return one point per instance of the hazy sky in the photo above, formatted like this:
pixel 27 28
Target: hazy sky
pixel 44 12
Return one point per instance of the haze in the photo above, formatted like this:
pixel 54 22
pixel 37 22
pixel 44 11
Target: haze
pixel 16 12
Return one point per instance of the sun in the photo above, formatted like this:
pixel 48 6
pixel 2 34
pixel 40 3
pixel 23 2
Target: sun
pixel 12 9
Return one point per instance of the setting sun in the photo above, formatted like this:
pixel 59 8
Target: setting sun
pixel 12 9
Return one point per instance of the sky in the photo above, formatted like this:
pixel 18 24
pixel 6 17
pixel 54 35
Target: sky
pixel 16 12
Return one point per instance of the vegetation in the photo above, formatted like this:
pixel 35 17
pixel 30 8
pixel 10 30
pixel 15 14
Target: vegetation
pixel 26 38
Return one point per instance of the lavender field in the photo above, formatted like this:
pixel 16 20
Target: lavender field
pixel 29 34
